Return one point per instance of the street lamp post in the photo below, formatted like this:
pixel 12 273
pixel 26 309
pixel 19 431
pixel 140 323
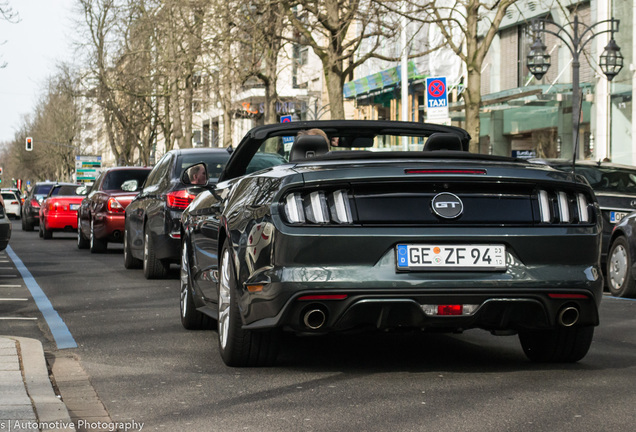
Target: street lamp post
pixel 538 61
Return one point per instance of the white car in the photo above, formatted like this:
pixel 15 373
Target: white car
pixel 11 204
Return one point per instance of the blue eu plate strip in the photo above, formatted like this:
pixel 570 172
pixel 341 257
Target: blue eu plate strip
pixel 61 334
pixel 402 256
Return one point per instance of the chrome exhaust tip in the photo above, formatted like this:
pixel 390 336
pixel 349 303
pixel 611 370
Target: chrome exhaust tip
pixel 568 316
pixel 314 319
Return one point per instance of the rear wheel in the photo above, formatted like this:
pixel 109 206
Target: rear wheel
pixel 240 347
pixel 130 262
pixel 153 267
pixel 620 280
pixel 560 345
pixel 191 318
pixel 97 245
pixel 26 226
pixel 44 233
pixel 82 242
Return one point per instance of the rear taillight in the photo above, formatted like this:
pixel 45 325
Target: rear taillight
pixel 53 207
pixel 35 203
pixel 318 207
pixel 14 202
pixel 179 199
pixel 114 206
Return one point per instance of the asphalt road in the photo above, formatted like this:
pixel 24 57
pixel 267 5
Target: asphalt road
pixel 145 367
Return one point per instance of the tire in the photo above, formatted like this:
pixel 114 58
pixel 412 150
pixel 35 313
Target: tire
pixel 130 262
pixel 26 226
pixel 153 268
pixel 96 245
pixel 238 347
pixel 191 318
pixel 82 242
pixel 560 345
pixel 45 234
pixel 620 279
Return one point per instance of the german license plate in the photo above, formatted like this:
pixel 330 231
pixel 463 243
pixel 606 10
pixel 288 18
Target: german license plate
pixel 616 217
pixel 455 257
pixel 75 206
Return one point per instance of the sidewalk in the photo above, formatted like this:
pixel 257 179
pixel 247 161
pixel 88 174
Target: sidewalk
pixel 27 399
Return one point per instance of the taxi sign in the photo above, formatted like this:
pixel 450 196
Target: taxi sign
pixel 436 98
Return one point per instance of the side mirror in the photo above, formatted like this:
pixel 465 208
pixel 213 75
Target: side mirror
pixel 196 175
pixel 129 185
pixel 81 190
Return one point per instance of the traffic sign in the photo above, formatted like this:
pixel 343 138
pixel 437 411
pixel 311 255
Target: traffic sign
pixel 436 98
pixel 286 119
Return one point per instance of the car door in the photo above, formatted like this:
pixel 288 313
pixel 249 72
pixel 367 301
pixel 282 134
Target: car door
pixel 204 227
pixel 136 210
pixel 86 208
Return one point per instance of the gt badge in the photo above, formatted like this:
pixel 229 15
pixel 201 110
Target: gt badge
pixel 447 205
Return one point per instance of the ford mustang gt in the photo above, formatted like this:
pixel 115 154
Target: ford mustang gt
pixel 378 225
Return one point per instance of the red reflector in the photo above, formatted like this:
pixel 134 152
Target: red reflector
pixel 179 200
pixel 324 297
pixel 568 296
pixel 449 309
pixel 445 171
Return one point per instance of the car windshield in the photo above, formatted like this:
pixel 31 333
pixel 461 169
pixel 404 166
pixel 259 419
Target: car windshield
pixel 42 190
pixel 8 196
pixel 116 178
pixel 215 162
pixel 65 190
pixel 610 179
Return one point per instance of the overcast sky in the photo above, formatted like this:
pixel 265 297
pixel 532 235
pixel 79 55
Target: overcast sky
pixel 31 48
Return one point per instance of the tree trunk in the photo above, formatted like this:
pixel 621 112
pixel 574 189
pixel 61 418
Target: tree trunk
pixel 335 84
pixel 472 98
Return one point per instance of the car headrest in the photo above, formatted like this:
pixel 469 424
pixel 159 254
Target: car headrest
pixel 307 147
pixel 443 141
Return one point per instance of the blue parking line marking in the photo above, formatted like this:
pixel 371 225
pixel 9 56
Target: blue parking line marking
pixel 61 333
pixel 609 296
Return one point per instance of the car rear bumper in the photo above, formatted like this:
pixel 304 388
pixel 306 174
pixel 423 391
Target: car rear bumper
pixel 66 221
pixel 110 227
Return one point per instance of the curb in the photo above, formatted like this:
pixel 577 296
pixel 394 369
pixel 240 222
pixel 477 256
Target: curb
pixel 50 410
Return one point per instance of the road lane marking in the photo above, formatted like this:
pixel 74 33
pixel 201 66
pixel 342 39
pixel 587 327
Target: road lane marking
pixel 10 286
pixel 13 299
pixel 17 319
pixel 60 331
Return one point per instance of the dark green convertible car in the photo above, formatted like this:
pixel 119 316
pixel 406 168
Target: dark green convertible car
pixel 378 225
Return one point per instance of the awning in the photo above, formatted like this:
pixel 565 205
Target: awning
pixel 383 80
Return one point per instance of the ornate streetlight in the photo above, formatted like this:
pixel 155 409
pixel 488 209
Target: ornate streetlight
pixel 611 61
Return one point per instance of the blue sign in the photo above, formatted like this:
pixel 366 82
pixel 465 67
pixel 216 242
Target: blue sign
pixel 286 119
pixel 436 92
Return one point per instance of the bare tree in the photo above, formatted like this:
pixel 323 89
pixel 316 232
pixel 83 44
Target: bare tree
pixel 477 22
pixel 335 30
pixel 7 14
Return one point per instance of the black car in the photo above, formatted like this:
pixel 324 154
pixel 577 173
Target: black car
pixel 152 236
pixel 398 227
pixel 32 202
pixel 621 258
pixel 615 189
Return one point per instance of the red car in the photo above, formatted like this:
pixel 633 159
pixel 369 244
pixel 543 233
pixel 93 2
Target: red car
pixel 101 216
pixel 58 211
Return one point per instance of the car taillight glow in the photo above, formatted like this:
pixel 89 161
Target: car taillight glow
pixel 318 207
pixel 114 206
pixel 179 199
pixel 35 203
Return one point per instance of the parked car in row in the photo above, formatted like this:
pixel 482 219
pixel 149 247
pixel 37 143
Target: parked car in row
pixel 5 227
pixel 58 211
pixel 12 204
pixel 101 216
pixel 615 189
pixel 152 236
pixel 378 238
pixel 32 203
pixel 621 277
